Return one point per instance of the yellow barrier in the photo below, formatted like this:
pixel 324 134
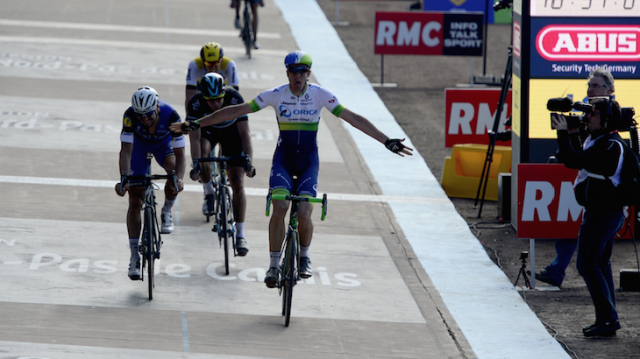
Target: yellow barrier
pixel 462 170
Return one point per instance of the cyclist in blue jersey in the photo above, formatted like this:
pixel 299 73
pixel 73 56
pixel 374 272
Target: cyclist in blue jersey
pixel 145 129
pixel 298 106
pixel 234 138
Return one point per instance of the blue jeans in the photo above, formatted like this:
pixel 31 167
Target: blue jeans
pixel 564 253
pixel 595 242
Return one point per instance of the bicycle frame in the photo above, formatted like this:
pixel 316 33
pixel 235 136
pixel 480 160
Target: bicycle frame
pixel 290 247
pixel 223 206
pixel 245 32
pixel 151 240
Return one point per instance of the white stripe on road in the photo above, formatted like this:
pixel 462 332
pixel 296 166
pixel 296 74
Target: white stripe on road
pixel 249 191
pixel 128 28
pixel 129 44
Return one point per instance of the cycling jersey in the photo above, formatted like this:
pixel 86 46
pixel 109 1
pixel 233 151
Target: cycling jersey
pixel 198 107
pixel 298 116
pixel 160 143
pixel 226 133
pixel 197 70
pixel 297 151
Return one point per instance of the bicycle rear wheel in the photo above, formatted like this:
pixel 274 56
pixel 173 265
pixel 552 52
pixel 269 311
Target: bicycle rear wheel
pixel 289 275
pixel 149 253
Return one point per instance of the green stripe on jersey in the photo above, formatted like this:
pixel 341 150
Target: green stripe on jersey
pixel 254 106
pixel 338 110
pixel 294 126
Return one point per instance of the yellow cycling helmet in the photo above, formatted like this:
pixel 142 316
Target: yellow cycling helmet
pixel 211 52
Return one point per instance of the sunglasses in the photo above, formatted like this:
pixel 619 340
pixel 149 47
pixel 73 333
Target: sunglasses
pixel 298 69
pixel 147 115
pixel 211 64
pixel 217 98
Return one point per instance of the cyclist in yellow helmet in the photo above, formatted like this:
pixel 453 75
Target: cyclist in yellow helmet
pixel 211 59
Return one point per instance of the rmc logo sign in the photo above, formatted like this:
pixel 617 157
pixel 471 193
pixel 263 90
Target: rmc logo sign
pixel 428 33
pixel 547 207
pixel 589 42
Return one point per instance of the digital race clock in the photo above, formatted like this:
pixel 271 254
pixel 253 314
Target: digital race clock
pixel 584 8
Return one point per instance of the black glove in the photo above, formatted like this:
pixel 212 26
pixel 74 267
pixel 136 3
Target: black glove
pixel 394 145
pixel 192 126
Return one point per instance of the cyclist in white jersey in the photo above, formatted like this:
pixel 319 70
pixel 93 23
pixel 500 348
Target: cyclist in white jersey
pixel 298 106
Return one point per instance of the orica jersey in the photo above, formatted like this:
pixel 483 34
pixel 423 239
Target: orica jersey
pixel 298 116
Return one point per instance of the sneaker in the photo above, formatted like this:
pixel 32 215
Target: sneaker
pixel 256 45
pixel 271 278
pixel 167 223
pixel 241 247
pixel 134 270
pixel 207 206
pixel 305 270
pixel 237 23
pixel 543 276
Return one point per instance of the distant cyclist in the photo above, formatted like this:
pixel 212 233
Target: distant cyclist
pixel 298 106
pixel 211 59
pixel 145 129
pixel 254 23
pixel 235 139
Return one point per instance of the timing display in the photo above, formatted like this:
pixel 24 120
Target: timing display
pixel 583 8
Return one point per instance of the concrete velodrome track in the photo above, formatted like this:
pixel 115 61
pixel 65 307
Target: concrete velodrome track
pixel 388 282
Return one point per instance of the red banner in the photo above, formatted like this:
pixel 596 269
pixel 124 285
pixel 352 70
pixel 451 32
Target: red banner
pixel 470 114
pixel 547 206
pixel 428 33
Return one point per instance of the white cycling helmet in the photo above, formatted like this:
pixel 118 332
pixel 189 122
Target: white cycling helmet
pixel 144 100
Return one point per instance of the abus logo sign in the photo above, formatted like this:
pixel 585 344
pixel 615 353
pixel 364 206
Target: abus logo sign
pixel 589 43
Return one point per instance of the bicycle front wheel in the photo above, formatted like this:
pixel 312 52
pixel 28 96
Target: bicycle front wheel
pixel 246 31
pixel 289 275
pixel 223 225
pixel 149 239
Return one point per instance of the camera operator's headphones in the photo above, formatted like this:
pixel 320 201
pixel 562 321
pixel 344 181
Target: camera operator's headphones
pixel 606 119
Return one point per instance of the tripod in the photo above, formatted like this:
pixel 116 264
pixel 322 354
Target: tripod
pixel 493 135
pixel 523 270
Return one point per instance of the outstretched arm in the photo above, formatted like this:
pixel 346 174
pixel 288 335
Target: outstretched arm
pixel 367 127
pixel 222 115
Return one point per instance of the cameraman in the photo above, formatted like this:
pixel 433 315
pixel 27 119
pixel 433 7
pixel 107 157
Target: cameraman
pixel 599 84
pixel 599 160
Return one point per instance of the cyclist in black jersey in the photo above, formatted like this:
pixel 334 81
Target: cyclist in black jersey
pixel 254 11
pixel 298 106
pixel 234 138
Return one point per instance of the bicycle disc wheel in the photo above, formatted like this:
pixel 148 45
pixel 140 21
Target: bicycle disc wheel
pixel 223 226
pixel 290 277
pixel 149 244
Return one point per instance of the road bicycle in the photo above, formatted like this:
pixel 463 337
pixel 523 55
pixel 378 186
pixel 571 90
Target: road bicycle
pixel 222 205
pixel 245 32
pixel 291 248
pixel 151 240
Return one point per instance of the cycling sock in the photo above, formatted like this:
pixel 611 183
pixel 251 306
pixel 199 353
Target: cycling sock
pixel 239 230
pixel 208 188
pixel 275 259
pixel 168 205
pixel 133 245
pixel 304 251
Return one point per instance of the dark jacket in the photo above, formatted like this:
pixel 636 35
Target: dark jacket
pixel 601 159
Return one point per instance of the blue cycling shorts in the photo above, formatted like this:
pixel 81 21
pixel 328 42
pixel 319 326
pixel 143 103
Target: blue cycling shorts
pixel 304 165
pixel 160 151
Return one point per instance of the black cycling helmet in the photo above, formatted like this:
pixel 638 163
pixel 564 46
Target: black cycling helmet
pixel 212 86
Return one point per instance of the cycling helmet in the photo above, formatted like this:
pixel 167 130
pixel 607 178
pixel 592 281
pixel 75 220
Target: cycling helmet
pixel 298 57
pixel 212 85
pixel 211 52
pixel 144 100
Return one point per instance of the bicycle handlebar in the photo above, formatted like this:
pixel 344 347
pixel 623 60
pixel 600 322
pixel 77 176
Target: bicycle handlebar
pixel 148 178
pixel 282 197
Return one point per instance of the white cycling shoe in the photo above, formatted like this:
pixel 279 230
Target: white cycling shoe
pixel 167 223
